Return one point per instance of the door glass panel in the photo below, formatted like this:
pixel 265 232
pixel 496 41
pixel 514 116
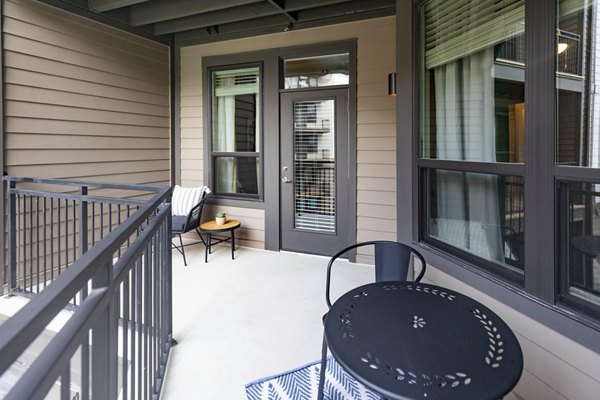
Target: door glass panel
pixel 314 165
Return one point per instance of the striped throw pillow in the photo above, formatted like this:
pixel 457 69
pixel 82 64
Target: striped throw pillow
pixel 184 199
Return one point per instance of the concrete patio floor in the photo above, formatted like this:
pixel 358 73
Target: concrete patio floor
pixel 240 320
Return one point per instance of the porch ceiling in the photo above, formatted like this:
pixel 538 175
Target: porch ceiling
pixel 193 21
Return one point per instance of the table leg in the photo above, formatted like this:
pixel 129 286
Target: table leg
pixel 323 368
pixel 233 244
pixel 207 247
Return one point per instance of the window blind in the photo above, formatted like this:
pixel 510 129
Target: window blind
pixel 568 7
pixel 455 29
pixel 314 165
pixel 239 81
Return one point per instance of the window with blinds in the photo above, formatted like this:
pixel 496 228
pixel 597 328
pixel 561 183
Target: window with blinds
pixel 473 109
pixel 455 29
pixel 235 142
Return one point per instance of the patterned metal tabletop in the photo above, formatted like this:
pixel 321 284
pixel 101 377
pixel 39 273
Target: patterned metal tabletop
pixel 407 340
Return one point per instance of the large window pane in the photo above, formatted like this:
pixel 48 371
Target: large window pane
pixel 473 105
pixel 308 72
pixel 481 214
pixel 578 74
pixel 236 175
pixel 579 240
pixel 235 140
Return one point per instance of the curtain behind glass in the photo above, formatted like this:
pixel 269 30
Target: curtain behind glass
pixel 467 204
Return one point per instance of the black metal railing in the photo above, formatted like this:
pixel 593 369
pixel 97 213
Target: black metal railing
pixel 101 254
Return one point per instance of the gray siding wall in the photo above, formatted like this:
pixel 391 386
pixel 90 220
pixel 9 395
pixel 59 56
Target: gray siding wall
pixel 83 100
pixel 376 130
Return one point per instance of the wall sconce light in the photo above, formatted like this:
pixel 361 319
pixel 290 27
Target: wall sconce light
pixel 392 84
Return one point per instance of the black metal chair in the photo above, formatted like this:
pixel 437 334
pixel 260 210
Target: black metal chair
pixel 392 263
pixel 192 200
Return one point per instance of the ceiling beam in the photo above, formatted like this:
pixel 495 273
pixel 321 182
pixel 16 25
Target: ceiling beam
pixel 294 5
pixel 107 5
pixel 259 24
pixel 279 5
pixel 245 12
pixel 201 36
pixel 164 10
pixel 353 7
pixel 249 11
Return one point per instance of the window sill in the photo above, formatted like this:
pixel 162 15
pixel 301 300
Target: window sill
pixel 234 202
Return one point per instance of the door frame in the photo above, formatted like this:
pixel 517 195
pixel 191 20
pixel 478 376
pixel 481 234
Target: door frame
pixel 272 60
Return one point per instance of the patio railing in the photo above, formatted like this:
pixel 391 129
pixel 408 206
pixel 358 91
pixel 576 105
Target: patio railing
pixel 99 257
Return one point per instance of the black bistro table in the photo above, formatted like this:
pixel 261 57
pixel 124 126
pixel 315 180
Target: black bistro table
pixel 407 340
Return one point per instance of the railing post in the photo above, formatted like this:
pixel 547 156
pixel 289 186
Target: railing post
pixel 83 221
pixel 104 342
pixel 12 237
pixel 168 271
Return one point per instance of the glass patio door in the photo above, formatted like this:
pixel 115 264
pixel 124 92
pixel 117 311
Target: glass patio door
pixel 314 171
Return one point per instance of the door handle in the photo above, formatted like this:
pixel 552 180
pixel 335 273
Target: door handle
pixel 285 179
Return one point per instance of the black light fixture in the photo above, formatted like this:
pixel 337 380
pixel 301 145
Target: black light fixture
pixel 392 84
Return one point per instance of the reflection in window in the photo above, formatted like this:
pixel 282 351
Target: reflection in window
pixel 578 68
pixel 309 72
pixel 236 175
pixel 473 101
pixel 235 131
pixel 481 214
pixel 579 237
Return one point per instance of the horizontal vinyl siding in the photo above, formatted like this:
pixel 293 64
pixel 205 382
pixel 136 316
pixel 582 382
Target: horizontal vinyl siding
pixel 376 119
pixel 83 100
pixel 192 142
pixel 555 367
pixel 252 231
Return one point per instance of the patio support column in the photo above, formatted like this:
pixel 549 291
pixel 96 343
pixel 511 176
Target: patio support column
pixel 406 124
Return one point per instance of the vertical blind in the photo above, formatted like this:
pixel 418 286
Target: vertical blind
pixel 454 29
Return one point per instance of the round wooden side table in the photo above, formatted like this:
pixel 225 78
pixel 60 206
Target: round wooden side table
pixel 211 227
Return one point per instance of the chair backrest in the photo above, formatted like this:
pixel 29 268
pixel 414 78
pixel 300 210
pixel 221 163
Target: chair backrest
pixel 392 262
pixel 184 199
pixel 188 202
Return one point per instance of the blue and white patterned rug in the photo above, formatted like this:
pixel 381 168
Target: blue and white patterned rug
pixel 303 384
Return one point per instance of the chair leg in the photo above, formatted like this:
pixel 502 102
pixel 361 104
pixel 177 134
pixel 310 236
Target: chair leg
pixel 182 249
pixel 201 237
pixel 323 368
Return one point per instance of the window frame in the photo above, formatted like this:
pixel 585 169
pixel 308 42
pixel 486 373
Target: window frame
pixel 208 129
pixel 540 173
